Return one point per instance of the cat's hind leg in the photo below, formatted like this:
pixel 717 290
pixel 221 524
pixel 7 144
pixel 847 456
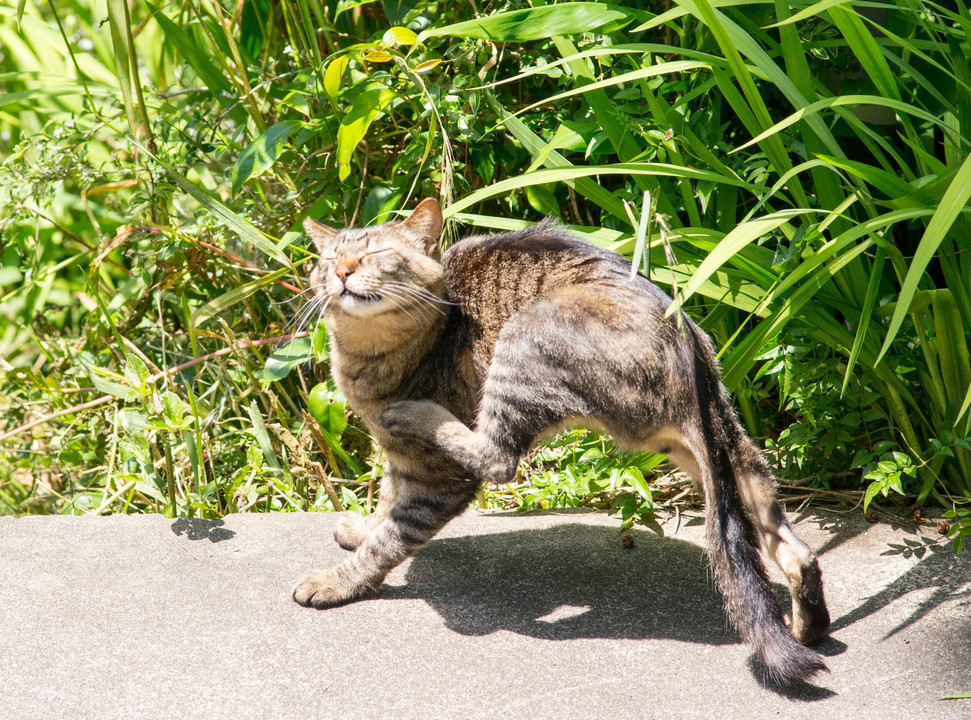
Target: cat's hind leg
pixel 757 488
pixel 418 512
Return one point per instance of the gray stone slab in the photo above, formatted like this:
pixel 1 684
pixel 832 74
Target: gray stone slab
pixel 501 616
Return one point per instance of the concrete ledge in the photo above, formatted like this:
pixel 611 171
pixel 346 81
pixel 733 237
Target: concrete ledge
pixel 502 616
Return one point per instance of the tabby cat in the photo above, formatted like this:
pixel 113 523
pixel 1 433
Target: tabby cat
pixel 458 362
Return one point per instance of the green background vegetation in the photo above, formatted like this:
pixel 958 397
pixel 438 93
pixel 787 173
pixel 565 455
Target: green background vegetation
pixel 796 174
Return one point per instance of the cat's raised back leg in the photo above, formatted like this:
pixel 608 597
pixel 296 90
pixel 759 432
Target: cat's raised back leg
pixel 421 506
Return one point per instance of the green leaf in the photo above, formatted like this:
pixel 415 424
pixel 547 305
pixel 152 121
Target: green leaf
pixel 260 154
pixel 173 410
pixel 954 201
pixel 355 125
pixel 538 23
pixel 286 358
pixel 542 200
pixel 871 492
pixel 262 436
pixel 137 445
pixel 109 387
pixel 333 75
pixel 136 372
pixel 399 36
pixel 333 419
pixel 427 65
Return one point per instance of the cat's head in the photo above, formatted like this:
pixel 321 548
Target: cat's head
pixel 392 267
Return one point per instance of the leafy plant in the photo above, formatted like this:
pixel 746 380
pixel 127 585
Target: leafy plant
pixel 807 168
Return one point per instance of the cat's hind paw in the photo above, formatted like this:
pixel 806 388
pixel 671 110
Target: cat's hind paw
pixel 351 531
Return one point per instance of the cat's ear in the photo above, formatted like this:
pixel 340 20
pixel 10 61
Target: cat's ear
pixel 322 235
pixel 426 222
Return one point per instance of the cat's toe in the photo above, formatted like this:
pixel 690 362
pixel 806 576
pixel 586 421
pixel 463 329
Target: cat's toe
pixel 402 419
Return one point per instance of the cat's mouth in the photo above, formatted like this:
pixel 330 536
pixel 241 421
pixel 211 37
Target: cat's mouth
pixel 350 294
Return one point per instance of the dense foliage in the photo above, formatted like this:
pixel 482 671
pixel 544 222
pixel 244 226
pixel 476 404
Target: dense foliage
pixel 796 174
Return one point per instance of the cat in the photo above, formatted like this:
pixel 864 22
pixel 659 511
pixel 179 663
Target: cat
pixel 458 362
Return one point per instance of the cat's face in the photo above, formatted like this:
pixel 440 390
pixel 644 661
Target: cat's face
pixel 388 268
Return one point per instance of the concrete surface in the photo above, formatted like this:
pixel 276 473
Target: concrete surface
pixel 502 616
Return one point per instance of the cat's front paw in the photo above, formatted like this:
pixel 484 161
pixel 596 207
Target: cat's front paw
pixel 326 589
pixel 412 419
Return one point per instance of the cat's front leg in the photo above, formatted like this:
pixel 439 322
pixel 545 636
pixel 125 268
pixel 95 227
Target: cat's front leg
pixel 418 512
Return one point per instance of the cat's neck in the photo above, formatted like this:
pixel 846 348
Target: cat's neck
pixel 372 338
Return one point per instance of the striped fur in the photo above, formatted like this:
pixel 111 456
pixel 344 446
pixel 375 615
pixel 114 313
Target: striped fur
pixel 458 365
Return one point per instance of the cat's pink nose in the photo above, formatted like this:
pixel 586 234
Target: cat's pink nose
pixel 344 269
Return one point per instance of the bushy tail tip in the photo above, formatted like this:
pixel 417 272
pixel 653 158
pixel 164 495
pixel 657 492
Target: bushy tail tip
pixel 783 659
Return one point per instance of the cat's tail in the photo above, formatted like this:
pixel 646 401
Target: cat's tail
pixel 733 543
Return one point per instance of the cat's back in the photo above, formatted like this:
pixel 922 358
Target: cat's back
pixel 490 277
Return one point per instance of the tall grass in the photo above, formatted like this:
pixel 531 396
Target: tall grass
pixel 807 164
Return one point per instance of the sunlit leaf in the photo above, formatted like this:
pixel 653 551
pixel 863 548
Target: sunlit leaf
pixel 260 154
pixel 355 124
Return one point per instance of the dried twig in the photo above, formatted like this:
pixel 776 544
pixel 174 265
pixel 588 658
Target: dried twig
pixel 328 486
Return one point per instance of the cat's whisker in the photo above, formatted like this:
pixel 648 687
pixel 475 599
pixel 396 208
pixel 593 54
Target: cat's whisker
pixel 296 297
pixel 299 320
pixel 411 293
pixel 395 301
pixel 422 292
pixel 415 302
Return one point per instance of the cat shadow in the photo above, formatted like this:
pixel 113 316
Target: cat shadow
pixel 568 582
pixel 576 581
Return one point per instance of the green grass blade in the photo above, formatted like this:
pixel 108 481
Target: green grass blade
pixel 575 172
pixel 537 23
pixel 199 60
pixel 952 351
pixel 624 144
pixel 227 300
pixel 535 145
pixel 863 325
pixel 118 24
pixel 677 66
pixel 952 204
pixel 851 100
pixel 731 245
pixel 226 217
